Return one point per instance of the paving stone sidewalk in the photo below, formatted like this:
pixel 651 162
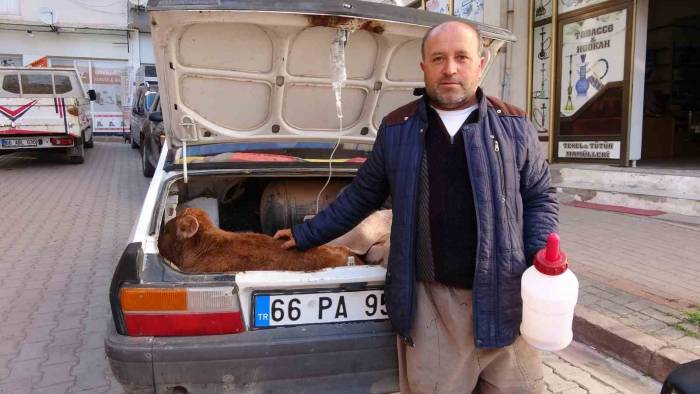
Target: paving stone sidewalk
pixel 580 369
pixel 63 228
pixel 638 279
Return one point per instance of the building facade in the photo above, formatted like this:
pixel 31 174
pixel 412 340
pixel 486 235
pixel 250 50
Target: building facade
pixel 94 36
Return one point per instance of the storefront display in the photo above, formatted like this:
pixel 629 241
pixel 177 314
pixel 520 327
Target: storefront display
pixel 592 55
pixel 579 77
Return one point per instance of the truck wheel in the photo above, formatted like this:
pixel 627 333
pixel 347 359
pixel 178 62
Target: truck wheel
pixel 146 166
pixel 76 154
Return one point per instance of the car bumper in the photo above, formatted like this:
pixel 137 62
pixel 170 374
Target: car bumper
pixel 343 358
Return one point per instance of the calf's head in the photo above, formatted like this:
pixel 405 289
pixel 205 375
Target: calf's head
pixel 182 232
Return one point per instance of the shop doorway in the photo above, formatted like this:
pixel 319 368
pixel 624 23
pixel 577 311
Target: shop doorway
pixel 671 131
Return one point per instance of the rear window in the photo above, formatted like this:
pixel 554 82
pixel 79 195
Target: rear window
pixel 62 83
pixel 10 83
pixel 34 83
pixel 37 84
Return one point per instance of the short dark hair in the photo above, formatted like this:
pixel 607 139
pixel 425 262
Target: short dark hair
pixel 430 31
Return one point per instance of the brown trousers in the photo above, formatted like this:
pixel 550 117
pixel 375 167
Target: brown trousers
pixel 445 359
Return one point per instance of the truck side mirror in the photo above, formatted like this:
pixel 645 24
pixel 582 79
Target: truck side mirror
pixel 92 94
pixel 156 117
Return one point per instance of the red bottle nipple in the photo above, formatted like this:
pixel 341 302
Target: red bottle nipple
pixel 550 260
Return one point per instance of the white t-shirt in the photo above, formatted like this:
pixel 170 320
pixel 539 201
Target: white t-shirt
pixel 453 120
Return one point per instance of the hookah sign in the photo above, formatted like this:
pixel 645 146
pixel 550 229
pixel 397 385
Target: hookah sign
pixel 541 64
pixel 592 56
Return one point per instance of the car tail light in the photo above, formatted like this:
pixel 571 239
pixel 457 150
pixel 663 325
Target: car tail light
pixel 66 141
pixel 180 311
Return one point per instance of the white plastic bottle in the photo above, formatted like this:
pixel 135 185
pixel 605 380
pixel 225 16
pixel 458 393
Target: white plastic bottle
pixel 549 291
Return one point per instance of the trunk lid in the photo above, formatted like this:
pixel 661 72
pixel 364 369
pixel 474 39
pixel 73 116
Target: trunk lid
pixel 245 71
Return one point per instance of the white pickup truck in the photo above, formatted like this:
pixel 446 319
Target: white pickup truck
pixel 44 110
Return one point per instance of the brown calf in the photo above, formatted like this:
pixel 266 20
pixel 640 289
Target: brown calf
pixel 194 244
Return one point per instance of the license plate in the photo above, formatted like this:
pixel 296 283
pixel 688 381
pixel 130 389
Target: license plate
pixel 19 142
pixel 317 307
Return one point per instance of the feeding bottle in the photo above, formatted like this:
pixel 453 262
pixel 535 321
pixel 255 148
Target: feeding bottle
pixel 549 291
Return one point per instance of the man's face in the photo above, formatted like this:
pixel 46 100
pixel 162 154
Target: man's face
pixel 452 66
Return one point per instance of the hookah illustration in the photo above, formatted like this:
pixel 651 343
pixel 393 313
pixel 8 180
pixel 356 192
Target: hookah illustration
pixel 569 104
pixel 541 94
pixel 539 116
pixel 544 47
pixel 584 81
pixel 595 80
pixel 541 9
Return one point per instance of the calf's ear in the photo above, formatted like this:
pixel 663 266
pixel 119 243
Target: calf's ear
pixel 187 227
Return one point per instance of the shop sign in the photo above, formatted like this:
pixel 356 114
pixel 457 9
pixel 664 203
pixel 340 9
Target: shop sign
pixel 592 56
pixel 589 149
pixel 541 63
pixel 109 122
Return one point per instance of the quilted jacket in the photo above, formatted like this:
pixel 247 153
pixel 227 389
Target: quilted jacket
pixel 516 209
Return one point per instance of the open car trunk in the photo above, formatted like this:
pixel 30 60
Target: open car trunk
pixel 267 203
pixel 282 72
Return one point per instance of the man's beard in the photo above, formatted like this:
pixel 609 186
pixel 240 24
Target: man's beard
pixel 447 100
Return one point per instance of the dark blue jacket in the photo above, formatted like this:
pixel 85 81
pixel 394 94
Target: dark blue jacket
pixel 516 209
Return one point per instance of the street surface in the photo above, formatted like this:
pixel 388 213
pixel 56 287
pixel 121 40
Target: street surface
pixel 64 227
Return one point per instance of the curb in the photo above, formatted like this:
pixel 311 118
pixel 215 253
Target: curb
pixel 637 349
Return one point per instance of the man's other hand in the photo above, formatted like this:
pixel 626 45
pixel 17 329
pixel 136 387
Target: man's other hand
pixel 286 234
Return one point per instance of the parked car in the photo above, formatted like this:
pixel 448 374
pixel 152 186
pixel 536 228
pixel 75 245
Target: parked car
pixel 143 100
pixel 44 110
pixel 151 138
pixel 250 124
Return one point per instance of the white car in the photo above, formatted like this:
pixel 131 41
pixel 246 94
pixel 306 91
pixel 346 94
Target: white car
pixel 44 110
pixel 251 120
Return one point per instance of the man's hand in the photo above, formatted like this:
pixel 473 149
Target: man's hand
pixel 286 234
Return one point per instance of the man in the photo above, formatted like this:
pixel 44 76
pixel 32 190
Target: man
pixel 472 204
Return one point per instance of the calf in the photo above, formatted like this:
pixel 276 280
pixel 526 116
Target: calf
pixel 194 244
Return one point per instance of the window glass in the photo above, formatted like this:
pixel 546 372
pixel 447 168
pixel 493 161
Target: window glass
pixel 36 84
pixel 149 101
pixel 10 83
pixel 63 84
